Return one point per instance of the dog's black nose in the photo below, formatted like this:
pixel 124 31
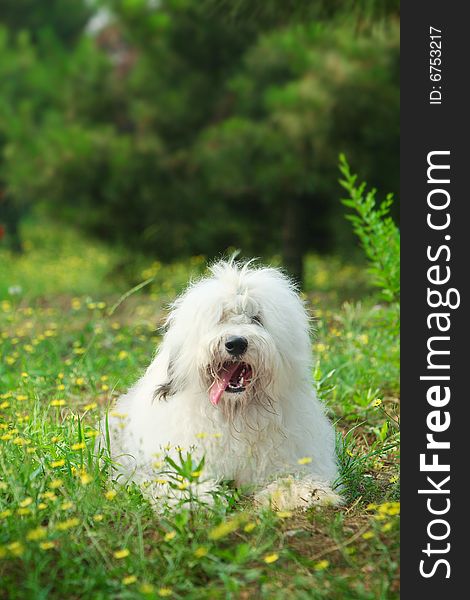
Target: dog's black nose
pixel 236 346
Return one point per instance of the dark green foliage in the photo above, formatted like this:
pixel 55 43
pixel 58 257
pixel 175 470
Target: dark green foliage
pixel 65 18
pixel 271 12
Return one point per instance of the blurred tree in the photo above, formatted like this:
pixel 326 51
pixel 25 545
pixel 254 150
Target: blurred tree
pixel 275 13
pixel 184 127
pixel 66 19
pixel 30 85
pixel 306 93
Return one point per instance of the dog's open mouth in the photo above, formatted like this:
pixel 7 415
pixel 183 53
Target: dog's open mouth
pixel 233 377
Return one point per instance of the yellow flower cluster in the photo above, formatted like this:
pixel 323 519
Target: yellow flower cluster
pixel 68 524
pixel 387 509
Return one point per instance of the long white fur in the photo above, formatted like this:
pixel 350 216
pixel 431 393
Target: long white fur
pixel 254 438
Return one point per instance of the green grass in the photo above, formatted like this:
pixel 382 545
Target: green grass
pixel 64 359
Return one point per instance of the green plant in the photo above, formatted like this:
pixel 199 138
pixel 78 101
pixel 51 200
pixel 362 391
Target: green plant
pixel 378 233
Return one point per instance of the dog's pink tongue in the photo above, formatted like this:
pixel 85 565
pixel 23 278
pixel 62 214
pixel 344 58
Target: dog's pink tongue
pixel 220 384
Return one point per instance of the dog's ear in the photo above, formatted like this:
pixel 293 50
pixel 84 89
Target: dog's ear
pixel 166 389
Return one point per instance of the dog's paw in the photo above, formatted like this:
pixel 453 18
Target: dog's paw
pixel 289 493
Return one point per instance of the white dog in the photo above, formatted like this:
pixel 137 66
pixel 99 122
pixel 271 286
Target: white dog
pixel 232 380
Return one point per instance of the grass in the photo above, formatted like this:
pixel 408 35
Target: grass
pixel 66 531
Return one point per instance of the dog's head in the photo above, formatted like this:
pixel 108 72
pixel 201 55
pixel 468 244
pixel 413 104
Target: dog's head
pixel 238 336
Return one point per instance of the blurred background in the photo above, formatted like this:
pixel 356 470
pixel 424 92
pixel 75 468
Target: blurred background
pixel 171 129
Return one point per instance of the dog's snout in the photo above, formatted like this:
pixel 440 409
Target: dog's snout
pixel 235 345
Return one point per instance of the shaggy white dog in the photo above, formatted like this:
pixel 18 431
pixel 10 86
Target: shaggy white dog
pixel 231 380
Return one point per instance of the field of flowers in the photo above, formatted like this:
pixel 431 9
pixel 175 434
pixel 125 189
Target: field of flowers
pixel 73 337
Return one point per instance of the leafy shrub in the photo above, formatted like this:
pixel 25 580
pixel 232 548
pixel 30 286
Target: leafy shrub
pixel 378 233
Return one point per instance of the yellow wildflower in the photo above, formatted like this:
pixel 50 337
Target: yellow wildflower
pixel 19 441
pixel 201 551
pixel 91 433
pixel 118 415
pixel 49 496
pixel 270 558
pixel 68 524
pixel 36 534
pixel 389 508
pixel 57 403
pixel 78 446
pixel 223 529
pixel 16 548
pixel 85 478
pixel 146 588
pixel 46 545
